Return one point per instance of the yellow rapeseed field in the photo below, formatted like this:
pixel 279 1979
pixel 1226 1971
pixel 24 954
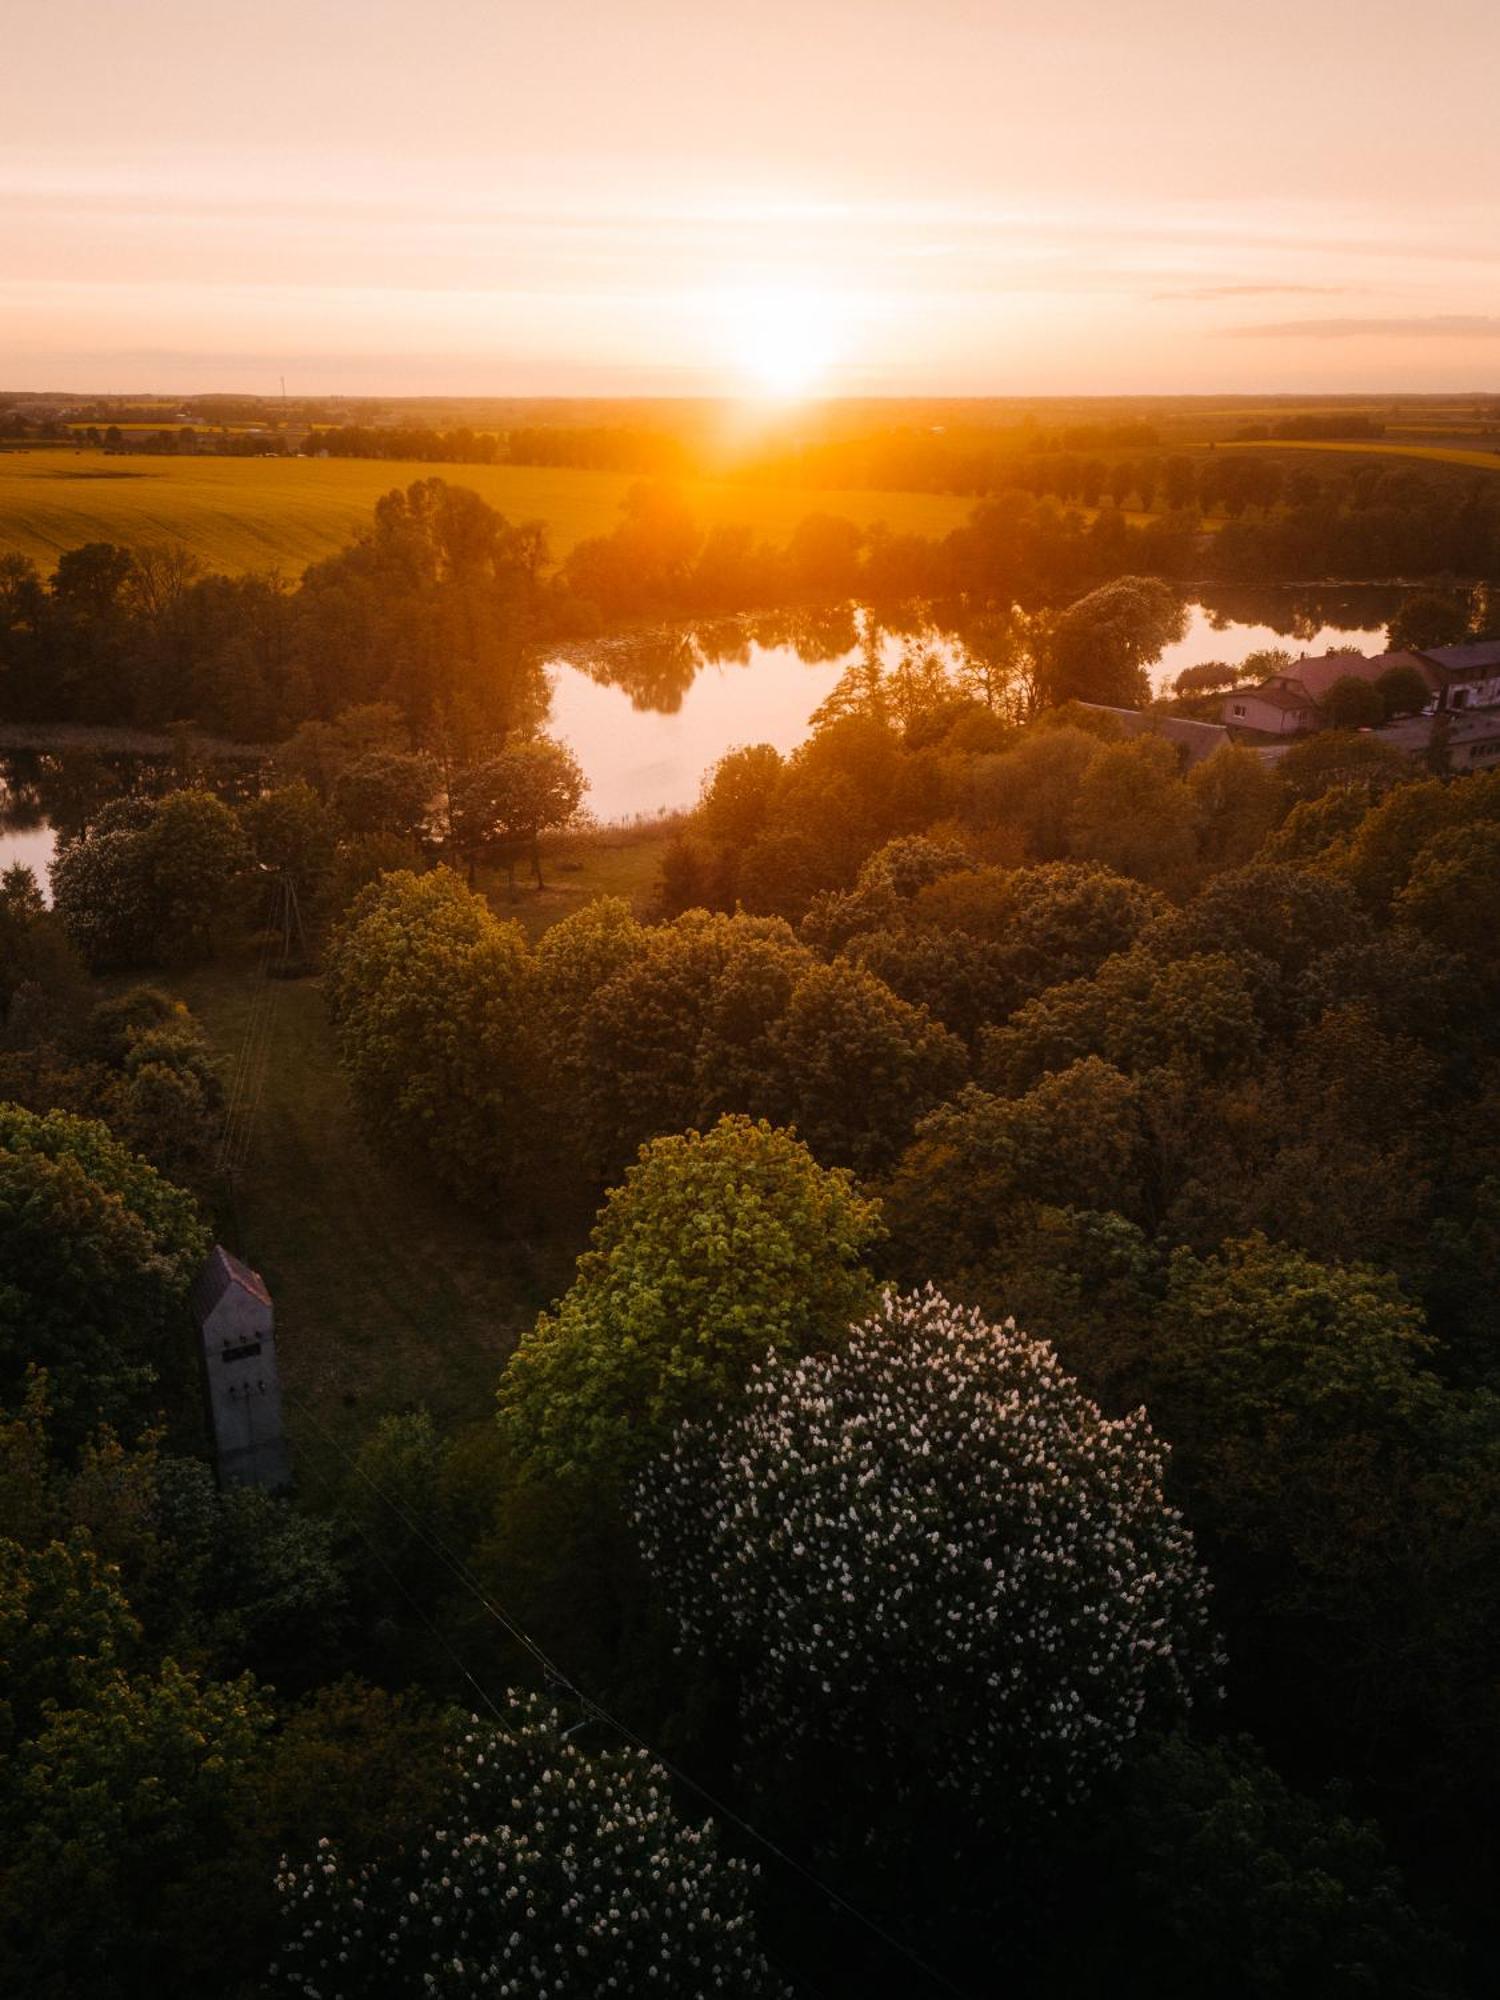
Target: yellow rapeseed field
pixel 239 514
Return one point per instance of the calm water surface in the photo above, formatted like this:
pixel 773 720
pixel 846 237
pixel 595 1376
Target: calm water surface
pixel 641 758
pixel 656 713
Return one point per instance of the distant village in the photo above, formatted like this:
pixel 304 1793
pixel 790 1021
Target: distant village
pixel 1446 713
pixel 1461 710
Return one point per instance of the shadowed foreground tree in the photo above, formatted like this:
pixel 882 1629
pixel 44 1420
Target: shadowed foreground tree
pixel 552 1869
pixel 98 1253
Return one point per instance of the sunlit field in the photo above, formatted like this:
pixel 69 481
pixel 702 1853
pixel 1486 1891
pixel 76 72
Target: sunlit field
pixel 1436 454
pixel 239 514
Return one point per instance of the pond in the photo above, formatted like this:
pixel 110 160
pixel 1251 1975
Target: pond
pixel 31 849
pixel 649 714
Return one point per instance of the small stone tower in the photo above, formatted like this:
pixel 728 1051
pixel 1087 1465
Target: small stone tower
pixel 236 1324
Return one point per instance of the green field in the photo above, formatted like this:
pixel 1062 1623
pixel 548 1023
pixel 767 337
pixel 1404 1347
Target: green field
pixel 239 514
pixel 1437 454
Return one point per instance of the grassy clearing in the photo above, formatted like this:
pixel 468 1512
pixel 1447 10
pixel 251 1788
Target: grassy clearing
pixel 388 1295
pixel 578 868
pixel 1439 454
pixel 239 514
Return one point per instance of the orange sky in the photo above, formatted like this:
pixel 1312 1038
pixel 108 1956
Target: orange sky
pixel 950 196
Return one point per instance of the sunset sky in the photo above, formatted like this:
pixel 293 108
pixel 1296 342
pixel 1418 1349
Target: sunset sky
pixel 857 196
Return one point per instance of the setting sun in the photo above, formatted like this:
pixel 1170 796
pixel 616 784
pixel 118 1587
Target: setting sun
pixel 782 339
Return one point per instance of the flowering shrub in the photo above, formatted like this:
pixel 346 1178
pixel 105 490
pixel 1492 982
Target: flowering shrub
pixel 930 1538
pixel 555 1874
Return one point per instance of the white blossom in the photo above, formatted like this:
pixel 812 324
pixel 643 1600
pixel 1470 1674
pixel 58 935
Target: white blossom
pixel 931 1533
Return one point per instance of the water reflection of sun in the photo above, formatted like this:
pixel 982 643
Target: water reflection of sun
pixel 782 338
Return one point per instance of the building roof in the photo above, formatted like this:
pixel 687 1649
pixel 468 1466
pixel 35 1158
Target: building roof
pixel 1198 739
pixel 1279 692
pixel 1478 656
pixel 220 1271
pixel 1464 725
pixel 1318 672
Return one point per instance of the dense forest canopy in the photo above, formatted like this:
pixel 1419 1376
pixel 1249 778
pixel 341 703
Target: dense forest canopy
pixel 998 1414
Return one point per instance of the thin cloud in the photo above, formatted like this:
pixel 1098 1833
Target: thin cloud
pixel 1253 292
pixel 1435 326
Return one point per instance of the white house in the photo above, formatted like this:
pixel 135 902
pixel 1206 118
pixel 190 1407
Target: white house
pixel 1280 706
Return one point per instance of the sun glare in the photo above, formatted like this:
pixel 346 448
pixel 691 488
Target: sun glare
pixel 783 338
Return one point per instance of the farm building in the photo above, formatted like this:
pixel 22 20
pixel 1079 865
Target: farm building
pixel 1467 676
pixel 1194 740
pixel 1280 706
pixel 236 1325
pixel 1469 739
pixel 1322 671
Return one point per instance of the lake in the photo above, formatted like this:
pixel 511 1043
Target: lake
pixel 645 746
pixel 652 712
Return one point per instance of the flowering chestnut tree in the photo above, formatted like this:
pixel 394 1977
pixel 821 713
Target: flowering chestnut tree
pixel 555 1875
pixel 927 1550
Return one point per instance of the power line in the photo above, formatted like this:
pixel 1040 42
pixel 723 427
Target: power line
pixel 254 1040
pixel 596 1711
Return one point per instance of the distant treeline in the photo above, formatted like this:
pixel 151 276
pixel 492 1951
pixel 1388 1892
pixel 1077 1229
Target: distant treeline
pixel 599 447
pixel 445 609
pixel 1348 424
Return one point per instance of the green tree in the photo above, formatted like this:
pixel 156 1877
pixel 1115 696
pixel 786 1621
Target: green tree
pixel 96 1255
pixel 1403 690
pixel 1290 1387
pixel 292 833
pixel 719 1247
pixel 195 854
pixel 1101 645
pixel 1075 1138
pixel 680 1032
pixel 1239 1886
pixel 1056 922
pixel 1238 800
pixel 507 803
pixel 1138 1014
pixel 1342 757
pixel 1354 704
pixel 1452 895
pixel 1426 619
pixel 65 1626
pixel 152 880
pixel 126 1804
pixel 738 796
pixel 433 1007
pixel 1134 813
pixel 1033 787
pixel 840 1022
pixel 387 791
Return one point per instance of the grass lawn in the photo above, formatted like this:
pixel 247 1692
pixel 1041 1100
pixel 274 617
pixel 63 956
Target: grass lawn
pixel 388 1294
pixel 577 868
pixel 283 513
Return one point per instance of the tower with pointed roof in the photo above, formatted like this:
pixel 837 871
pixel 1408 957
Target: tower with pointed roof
pixel 237 1332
